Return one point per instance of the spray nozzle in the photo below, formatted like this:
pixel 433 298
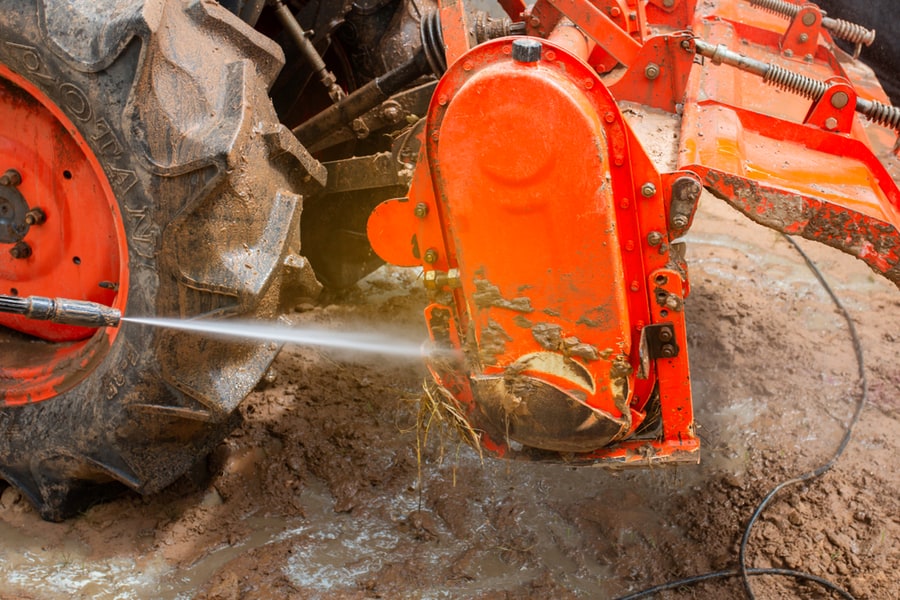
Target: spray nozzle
pixel 61 310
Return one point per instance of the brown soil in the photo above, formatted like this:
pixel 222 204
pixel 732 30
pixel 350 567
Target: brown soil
pixel 320 493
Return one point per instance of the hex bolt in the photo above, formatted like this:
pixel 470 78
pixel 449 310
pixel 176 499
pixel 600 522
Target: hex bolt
pixel 648 190
pixel 10 178
pixel 839 100
pixel 421 210
pixel 526 50
pixel 35 216
pixel 665 335
pixel 651 71
pixel 668 351
pixel 431 256
pixel 654 238
pixel 831 123
pixel 20 250
pixel 679 222
pixel 804 38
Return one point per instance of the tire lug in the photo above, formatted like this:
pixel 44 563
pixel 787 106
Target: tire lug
pixel 35 216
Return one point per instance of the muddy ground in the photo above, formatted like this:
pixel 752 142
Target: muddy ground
pixel 327 491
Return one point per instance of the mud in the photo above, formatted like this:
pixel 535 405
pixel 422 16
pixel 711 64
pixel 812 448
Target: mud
pixel 330 490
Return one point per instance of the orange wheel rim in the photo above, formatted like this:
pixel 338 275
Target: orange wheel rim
pixel 78 251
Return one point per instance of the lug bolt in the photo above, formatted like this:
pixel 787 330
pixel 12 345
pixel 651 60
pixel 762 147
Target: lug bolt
pixel 648 190
pixel 20 251
pixel 431 256
pixel 654 238
pixel 35 216
pixel 421 210
pixel 10 178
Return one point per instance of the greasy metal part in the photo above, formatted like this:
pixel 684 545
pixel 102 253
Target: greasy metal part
pixel 10 178
pixel 64 311
pixel 308 50
pixel 251 11
pixel 433 42
pixel 362 100
pixel 660 338
pixel 845 30
pixel 363 173
pixel 401 109
pixel 883 114
pixel 488 28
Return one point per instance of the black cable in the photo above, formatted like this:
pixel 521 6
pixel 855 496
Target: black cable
pixel 743 571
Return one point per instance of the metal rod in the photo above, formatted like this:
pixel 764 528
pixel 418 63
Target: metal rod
pixel 362 100
pixel 845 30
pixel 308 50
pixel 883 114
pixel 61 310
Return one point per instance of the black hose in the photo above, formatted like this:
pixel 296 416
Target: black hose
pixel 743 571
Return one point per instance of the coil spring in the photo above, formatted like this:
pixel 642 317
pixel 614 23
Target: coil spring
pixel 794 82
pixel 883 114
pixel 853 33
pixel 779 7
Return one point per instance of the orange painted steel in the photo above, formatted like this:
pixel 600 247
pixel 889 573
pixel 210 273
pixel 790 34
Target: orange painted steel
pixel 543 228
pixel 79 251
pixel 546 235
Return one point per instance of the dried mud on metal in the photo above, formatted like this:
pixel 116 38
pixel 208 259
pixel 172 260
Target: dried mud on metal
pixel 327 490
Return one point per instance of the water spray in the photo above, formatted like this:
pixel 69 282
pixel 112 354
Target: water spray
pixel 82 313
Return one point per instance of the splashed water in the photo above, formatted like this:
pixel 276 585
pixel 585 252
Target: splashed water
pixel 373 342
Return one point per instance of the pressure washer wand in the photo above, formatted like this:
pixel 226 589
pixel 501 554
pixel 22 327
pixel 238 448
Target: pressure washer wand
pixel 61 310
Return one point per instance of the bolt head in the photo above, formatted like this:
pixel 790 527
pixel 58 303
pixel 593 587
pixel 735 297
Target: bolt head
pixel 665 335
pixel 651 71
pixel 421 210
pixel 654 238
pixel 831 123
pixel 804 37
pixel 648 190
pixel 668 351
pixel 679 222
pixel 809 19
pixel 431 256
pixel 839 100
pixel 526 50
pixel 20 251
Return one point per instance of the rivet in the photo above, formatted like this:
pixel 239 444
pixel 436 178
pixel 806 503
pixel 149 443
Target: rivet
pixel 468 66
pixel 588 83
pixel 443 99
pixel 550 55
pixel 615 11
pixel 629 246
pixel 609 117
pixel 809 19
pixel 624 203
pixel 635 286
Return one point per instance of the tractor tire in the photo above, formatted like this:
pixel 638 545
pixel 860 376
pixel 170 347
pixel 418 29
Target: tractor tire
pixel 168 100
